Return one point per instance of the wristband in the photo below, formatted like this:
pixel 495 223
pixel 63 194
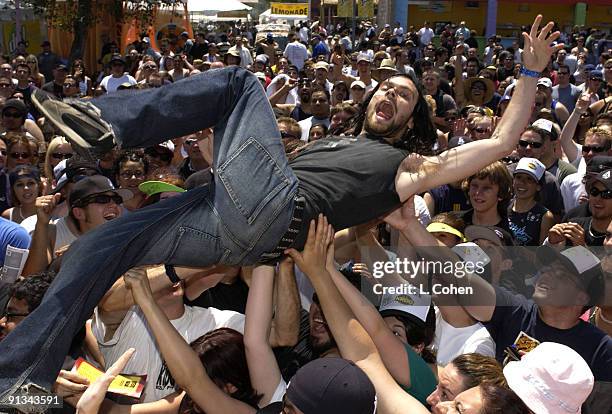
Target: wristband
pixel 172 274
pixel 530 73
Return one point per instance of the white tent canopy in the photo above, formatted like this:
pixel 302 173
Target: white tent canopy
pixel 216 5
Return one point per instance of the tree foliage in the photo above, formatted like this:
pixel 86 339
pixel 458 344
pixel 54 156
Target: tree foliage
pixel 76 16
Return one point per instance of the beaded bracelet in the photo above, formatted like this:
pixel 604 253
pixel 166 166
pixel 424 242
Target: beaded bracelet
pixel 530 73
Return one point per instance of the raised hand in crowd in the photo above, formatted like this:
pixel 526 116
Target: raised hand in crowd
pixel 92 398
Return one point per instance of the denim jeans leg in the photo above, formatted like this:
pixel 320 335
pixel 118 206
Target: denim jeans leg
pixel 244 212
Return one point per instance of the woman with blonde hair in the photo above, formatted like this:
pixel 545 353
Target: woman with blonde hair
pixel 37 77
pixel 59 149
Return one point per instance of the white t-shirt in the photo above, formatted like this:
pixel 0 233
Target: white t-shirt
pixel 306 124
pixel 571 189
pixel 110 83
pixel 277 83
pixel 279 392
pixel 426 35
pixel 134 332
pixel 451 342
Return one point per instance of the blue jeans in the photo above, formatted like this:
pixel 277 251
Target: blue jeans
pixel 242 214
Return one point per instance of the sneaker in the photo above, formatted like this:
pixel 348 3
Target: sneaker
pixel 80 122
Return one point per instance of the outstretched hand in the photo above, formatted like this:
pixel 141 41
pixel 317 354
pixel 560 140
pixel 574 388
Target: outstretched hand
pixel 90 401
pixel 313 258
pixel 538 47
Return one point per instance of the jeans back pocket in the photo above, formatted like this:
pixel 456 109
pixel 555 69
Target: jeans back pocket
pixel 251 179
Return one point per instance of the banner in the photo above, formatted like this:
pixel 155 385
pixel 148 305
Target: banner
pixel 365 8
pixel 345 8
pixel 289 9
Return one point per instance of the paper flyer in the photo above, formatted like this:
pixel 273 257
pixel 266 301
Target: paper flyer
pixel 126 385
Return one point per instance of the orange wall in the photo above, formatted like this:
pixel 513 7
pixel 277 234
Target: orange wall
pixel 508 13
pixel 599 16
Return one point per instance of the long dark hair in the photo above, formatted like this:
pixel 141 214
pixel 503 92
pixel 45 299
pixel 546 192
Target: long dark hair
pixel 422 137
pixel 224 358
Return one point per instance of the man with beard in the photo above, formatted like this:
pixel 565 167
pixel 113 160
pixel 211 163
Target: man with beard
pixel 259 204
pixel 302 109
pixel 320 338
pixel 320 112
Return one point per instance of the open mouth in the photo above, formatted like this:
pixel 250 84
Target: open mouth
pixel 385 110
pixel 110 216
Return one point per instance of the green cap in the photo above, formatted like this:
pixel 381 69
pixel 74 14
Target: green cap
pixel 156 187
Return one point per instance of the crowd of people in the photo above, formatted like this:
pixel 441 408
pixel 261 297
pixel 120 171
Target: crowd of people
pixel 218 218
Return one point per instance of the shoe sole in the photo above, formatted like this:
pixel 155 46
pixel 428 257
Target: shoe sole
pixel 63 115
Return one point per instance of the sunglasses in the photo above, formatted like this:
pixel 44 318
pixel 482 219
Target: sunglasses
pixel 149 67
pixel 480 130
pixel 20 155
pixel 605 194
pixel 70 85
pixel 588 148
pixel 101 199
pixel 287 135
pixel 62 155
pixel 191 142
pixel 534 145
pixel 129 174
pixel 11 316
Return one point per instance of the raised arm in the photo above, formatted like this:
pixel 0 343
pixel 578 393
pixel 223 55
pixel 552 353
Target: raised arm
pixel 353 341
pixel 418 173
pixel 263 368
pixel 286 322
pixel 41 249
pixel 570 147
pixel 459 86
pixel 184 364
pixel 479 305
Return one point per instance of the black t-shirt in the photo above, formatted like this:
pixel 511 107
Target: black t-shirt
pixel 526 226
pixel 350 180
pixel 591 236
pixel 468 219
pixel 514 313
pixel 448 198
pixel 224 297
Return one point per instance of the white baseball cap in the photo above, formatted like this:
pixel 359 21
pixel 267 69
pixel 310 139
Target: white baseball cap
pixel 532 167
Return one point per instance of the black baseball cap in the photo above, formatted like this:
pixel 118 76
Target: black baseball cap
pixel 16 104
pixel 95 184
pixel 605 178
pixel 599 164
pixel 331 386
pixel 117 58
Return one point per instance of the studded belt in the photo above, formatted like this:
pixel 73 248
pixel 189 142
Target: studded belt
pixel 295 226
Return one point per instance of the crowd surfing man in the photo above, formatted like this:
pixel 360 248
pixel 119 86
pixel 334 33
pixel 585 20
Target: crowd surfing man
pixel 258 204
